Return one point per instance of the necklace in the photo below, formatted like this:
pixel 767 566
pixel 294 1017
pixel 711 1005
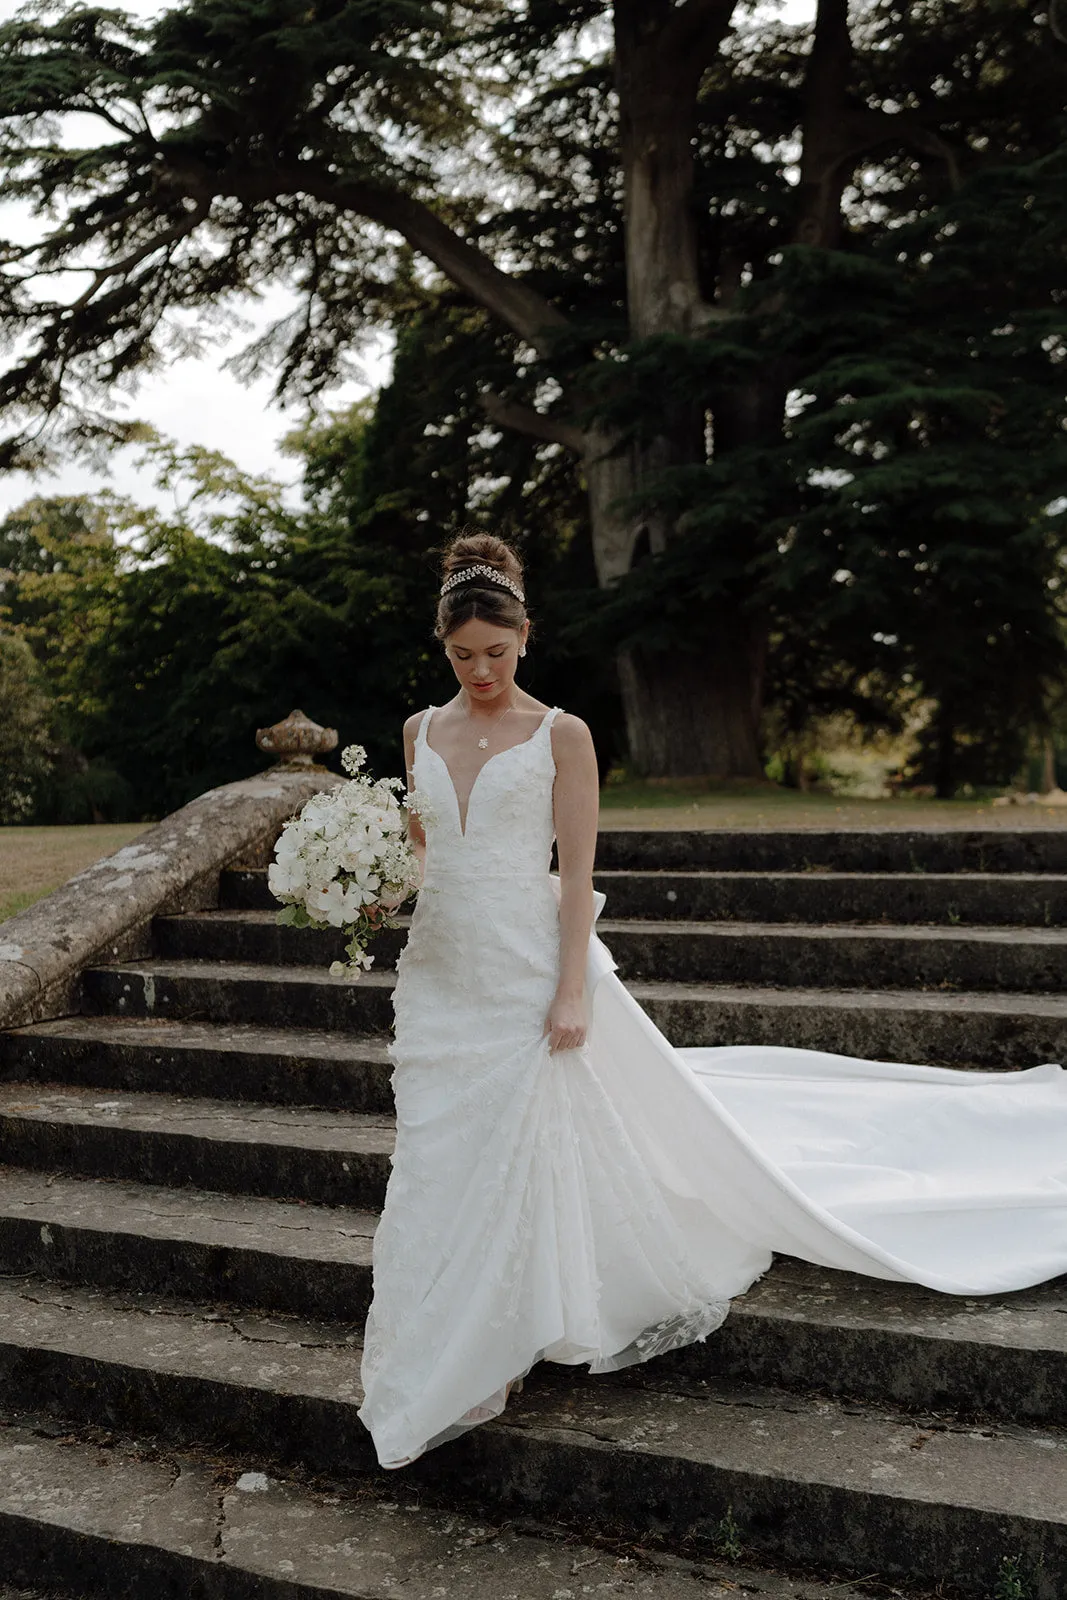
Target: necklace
pixel 483 742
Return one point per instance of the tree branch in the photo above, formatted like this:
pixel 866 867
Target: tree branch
pixel 535 424
pixel 180 230
pixel 528 313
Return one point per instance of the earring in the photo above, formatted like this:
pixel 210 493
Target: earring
pixel 522 650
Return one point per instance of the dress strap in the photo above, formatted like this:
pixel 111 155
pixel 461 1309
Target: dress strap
pixel 549 717
pixel 424 723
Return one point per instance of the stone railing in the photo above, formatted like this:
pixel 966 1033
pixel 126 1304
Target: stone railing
pixel 105 913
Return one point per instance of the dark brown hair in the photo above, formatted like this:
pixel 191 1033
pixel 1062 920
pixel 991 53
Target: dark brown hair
pixel 481 597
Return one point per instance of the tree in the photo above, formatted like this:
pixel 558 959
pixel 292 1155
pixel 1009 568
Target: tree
pixel 322 144
pixel 24 730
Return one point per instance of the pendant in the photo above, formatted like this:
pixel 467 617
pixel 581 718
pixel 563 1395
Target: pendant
pixel 483 742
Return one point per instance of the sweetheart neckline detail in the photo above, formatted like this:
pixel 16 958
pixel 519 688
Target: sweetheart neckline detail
pixel 463 817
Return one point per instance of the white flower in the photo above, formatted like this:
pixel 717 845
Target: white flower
pixel 347 857
pixel 286 878
pixel 353 900
pixel 328 903
pixel 290 843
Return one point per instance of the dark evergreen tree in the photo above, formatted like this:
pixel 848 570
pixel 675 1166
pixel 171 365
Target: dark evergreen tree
pixel 649 195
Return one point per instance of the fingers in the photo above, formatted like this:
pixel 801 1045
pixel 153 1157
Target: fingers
pixel 566 1039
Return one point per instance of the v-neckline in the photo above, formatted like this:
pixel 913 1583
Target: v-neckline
pixel 463 817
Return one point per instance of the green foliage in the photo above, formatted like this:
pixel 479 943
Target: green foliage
pixel 885 406
pixel 728 1540
pixel 905 534
pixel 1012 1584
pixel 293 917
pixel 167 640
pixel 24 728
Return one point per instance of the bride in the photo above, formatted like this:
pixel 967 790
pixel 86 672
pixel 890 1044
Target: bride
pixel 566 1185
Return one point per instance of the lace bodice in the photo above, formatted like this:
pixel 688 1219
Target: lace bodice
pixel 509 822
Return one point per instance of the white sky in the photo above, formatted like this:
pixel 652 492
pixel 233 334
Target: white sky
pixel 194 401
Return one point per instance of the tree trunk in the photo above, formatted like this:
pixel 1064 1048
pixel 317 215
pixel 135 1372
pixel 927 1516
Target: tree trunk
pixel 688 711
pixel 945 752
pixel 694 712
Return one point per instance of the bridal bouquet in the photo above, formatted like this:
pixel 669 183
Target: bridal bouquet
pixel 345 862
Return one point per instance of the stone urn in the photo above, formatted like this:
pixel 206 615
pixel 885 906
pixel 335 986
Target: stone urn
pixel 296 741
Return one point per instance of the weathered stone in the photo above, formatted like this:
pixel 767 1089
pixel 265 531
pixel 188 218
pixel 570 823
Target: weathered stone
pixel 685 951
pixel 797 957
pixel 235 992
pixel 1030 849
pixel 199 1083
pixel 805 1479
pixel 255 936
pixel 118 1523
pixel 296 740
pixel 1018 899
pixel 933 1027
pixel 800 1326
pixel 239 1061
pixel 806 1327
pixel 331 1157
pixel 276 1255
pixel 105 912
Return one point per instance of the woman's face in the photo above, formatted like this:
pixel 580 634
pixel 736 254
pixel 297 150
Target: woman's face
pixel 484 656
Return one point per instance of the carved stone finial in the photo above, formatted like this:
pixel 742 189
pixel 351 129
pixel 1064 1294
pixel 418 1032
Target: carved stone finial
pixel 296 741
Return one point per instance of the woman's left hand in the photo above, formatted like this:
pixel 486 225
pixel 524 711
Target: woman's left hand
pixel 565 1024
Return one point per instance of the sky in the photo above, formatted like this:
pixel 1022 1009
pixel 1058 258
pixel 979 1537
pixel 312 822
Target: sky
pixel 194 400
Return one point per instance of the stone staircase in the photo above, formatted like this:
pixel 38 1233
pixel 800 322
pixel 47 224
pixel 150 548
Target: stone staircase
pixel 191 1170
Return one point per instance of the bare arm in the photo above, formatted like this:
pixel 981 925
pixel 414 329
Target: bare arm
pixel 416 833
pixel 576 805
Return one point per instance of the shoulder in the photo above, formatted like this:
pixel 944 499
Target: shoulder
pixel 411 724
pixel 570 735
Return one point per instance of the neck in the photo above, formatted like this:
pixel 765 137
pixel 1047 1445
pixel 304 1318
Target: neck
pixel 489 708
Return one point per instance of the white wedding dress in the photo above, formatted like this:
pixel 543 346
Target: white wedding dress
pixel 603 1205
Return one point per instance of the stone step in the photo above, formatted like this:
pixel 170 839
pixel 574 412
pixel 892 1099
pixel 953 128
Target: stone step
pixel 239 1061
pixel 274 1255
pixel 785 954
pixel 170 1525
pixel 800 1326
pixel 328 1157
pixel 1026 960
pixel 1038 848
pixel 1034 899
pixel 1031 899
pixel 255 937
pixel 934 1028
pixel 248 993
pixel 802 1479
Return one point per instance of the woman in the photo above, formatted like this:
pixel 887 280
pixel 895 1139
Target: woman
pixel 568 1186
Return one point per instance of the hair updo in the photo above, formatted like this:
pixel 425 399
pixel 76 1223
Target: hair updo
pixel 481 598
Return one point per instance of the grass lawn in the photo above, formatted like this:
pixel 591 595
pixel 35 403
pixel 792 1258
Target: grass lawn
pixel 34 861
pixel 693 805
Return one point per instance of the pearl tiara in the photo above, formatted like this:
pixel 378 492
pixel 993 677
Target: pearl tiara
pixel 479 571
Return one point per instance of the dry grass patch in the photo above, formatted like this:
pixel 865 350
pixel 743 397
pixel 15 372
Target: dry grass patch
pixel 34 861
pixel 690 804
